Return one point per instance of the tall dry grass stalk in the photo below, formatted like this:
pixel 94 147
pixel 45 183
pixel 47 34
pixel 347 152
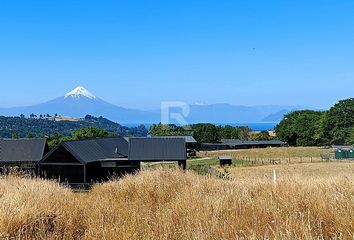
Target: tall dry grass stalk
pixel 170 204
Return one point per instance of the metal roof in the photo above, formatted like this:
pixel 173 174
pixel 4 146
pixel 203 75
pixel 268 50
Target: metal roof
pixel 225 157
pixel 344 147
pixel 97 149
pixel 13 150
pixel 188 139
pixel 237 142
pixel 157 149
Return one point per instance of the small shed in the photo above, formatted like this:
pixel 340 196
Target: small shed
pixel 23 154
pixel 225 160
pixel 158 149
pixel 86 161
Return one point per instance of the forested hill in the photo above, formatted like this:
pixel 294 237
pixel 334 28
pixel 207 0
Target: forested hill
pixel 41 127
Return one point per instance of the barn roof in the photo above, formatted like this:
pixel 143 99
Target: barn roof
pixel 157 149
pixel 13 150
pixel 225 157
pixel 97 149
pixel 188 139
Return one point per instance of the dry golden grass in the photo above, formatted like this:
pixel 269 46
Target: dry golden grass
pixel 294 154
pixel 171 204
pixel 325 170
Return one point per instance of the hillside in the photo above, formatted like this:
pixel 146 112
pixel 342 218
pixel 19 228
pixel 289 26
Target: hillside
pixel 33 127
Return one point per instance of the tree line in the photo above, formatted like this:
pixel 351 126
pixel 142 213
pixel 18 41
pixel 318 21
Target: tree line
pixel 319 128
pixel 208 133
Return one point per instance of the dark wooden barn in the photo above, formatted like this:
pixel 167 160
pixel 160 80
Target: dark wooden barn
pixel 213 146
pixel 86 161
pixel 244 144
pixel 191 144
pixel 158 149
pixel 22 154
pixel 241 144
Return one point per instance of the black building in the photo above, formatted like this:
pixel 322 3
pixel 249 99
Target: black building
pixel 241 144
pixel 225 160
pixel 158 149
pixel 23 154
pixel 191 144
pixel 87 161
pixel 213 146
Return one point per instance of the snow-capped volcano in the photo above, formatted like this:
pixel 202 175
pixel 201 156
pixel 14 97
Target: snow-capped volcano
pixel 80 92
pixel 80 102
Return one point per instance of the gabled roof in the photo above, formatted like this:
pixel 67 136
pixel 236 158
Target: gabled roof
pixel 157 149
pixel 14 150
pixel 188 139
pixel 97 149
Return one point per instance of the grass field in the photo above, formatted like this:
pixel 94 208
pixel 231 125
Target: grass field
pixel 307 171
pixel 285 154
pixel 171 204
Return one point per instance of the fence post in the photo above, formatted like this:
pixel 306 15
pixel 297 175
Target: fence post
pixel 274 177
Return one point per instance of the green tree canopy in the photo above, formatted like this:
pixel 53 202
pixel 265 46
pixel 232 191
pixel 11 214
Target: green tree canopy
pixel 340 122
pixel 89 132
pixel 298 128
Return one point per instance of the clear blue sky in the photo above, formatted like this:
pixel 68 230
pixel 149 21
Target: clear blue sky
pixel 138 53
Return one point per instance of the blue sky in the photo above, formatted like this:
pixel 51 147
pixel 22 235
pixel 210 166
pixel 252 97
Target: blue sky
pixel 139 53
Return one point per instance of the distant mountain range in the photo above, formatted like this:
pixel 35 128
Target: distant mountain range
pixel 80 102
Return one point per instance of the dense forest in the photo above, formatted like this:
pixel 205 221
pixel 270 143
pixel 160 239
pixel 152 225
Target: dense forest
pixel 319 128
pixel 18 127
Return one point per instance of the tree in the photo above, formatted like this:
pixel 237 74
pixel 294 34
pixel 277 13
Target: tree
pixel 340 122
pixel 29 135
pixel 15 136
pixel 54 139
pixel 89 132
pixel 262 135
pixel 206 133
pixel 161 130
pixel 298 128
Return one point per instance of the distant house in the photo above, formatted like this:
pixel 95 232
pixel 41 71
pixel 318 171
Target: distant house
pixel 213 146
pixel 158 149
pixel 240 144
pixel 22 153
pixel 87 161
